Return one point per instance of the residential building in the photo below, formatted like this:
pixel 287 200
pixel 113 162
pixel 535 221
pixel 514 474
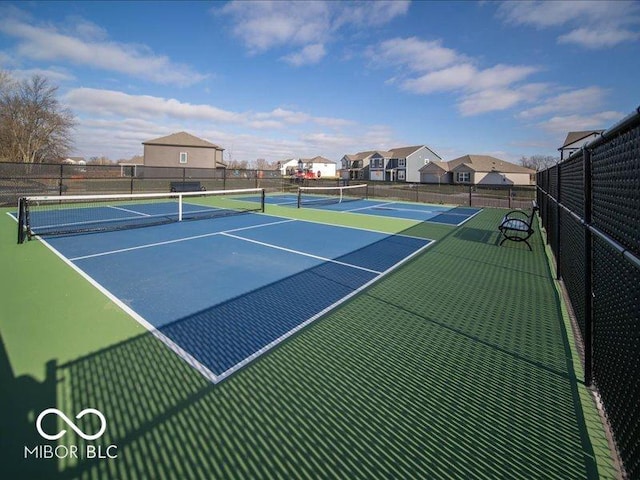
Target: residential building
pixel 477 170
pixel 358 165
pixel 319 166
pixel 576 140
pixel 405 162
pixel 182 150
pixel 395 165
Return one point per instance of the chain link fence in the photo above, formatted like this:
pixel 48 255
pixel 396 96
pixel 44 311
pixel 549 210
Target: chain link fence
pixel 19 179
pixel 590 209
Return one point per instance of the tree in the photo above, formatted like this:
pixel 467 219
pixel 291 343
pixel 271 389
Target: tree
pixel 34 126
pixel 539 162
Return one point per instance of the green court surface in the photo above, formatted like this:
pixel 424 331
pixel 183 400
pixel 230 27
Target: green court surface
pixel 459 364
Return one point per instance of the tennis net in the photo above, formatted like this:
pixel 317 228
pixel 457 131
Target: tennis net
pixel 329 195
pixel 73 214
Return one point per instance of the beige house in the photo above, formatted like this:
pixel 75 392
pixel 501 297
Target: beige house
pixel 477 170
pixel 575 141
pixel 182 150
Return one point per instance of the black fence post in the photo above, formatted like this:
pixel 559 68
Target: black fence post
pixel 470 195
pixel 558 253
pixel 131 172
pixel 588 270
pixel 60 185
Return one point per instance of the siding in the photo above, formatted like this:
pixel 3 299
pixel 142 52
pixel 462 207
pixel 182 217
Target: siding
pixel 169 156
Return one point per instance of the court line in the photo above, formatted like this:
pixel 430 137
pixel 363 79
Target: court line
pixel 130 211
pixel 299 252
pixel 192 361
pixel 369 206
pixel 178 350
pixel 318 315
pixel 175 240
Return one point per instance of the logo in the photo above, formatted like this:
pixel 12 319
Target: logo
pixel 46 451
pixel 44 413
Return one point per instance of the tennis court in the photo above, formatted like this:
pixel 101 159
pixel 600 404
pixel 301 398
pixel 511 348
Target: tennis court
pixel 352 199
pixel 361 346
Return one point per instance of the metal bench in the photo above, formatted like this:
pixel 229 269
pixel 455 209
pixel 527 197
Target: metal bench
pixel 517 225
pixel 186 186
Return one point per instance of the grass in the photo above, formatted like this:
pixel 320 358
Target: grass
pixel 457 365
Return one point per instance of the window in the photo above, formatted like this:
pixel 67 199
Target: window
pixel 400 174
pixel 183 157
pixel 463 177
pixel 402 163
pixel 377 163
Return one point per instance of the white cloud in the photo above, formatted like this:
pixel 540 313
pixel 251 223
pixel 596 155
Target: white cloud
pixel 595 38
pixel 447 79
pixel 305 25
pixel 576 122
pixel 110 102
pixel 87 47
pixel 264 25
pixel 112 123
pixel 579 100
pixel 417 54
pixel 591 24
pixel 56 75
pixel 307 56
pixel 426 67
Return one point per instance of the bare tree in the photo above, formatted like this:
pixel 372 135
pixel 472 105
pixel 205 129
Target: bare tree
pixel 539 162
pixel 34 126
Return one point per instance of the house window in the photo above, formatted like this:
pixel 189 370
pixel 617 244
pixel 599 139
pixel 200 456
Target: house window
pixel 400 174
pixel 463 177
pixel 402 162
pixel 183 157
pixel 376 163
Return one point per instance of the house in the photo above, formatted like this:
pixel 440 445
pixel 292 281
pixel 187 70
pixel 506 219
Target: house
pixel 435 172
pixel 405 163
pixel 319 167
pixel 182 150
pixel 576 140
pixel 477 170
pixel 397 164
pixel 74 161
pixel 356 167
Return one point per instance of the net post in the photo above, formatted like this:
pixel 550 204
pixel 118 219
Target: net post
pixel 21 220
pixel 180 198
pixel 299 197
pixel 263 195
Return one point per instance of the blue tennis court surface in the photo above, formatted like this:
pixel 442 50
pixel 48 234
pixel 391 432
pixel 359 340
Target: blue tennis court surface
pixel 447 215
pixel 221 292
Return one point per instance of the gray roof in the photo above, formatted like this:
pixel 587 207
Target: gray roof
pixel 404 152
pixel 182 139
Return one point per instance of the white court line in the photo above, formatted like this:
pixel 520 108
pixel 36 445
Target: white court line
pixel 176 240
pixel 370 206
pixel 187 357
pixel 192 361
pixel 298 252
pixel 127 210
pixel 315 317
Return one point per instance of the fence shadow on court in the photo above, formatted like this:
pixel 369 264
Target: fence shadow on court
pixel 425 374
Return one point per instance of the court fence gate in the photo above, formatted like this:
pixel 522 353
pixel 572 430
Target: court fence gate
pixel 590 210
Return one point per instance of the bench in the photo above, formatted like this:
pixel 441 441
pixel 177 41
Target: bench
pixel 187 186
pixel 517 225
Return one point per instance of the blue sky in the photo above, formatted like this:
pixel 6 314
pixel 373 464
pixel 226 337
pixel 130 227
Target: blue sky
pixel 278 80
